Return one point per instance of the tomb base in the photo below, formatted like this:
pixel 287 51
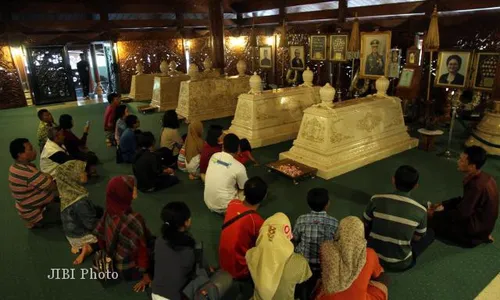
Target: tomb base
pixel 166 91
pixel 141 87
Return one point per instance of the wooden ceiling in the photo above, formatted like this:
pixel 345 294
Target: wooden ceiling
pixel 110 17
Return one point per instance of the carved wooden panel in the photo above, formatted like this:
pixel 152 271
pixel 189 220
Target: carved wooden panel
pixel 150 53
pixel 11 91
pixel 50 75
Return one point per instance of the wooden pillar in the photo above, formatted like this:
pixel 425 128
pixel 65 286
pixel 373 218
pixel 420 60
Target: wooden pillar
pixel 342 11
pixel 216 16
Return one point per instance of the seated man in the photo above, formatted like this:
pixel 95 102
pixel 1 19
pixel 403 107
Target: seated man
pixel 114 100
pixel 46 122
pixel 128 140
pixel 148 169
pixel 54 152
pixel 33 190
pixel 241 229
pixel 396 224
pixel 225 176
pixel 470 219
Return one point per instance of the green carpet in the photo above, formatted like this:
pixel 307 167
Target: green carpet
pixel 26 257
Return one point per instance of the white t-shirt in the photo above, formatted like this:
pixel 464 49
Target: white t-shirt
pixel 225 175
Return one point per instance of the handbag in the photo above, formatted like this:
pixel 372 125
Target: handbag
pixel 103 263
pixel 248 212
pixel 206 286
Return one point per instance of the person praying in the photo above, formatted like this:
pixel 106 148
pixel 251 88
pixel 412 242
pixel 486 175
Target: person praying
pixel 468 220
pixel 46 122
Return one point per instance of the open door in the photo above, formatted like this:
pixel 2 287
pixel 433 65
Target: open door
pixel 50 75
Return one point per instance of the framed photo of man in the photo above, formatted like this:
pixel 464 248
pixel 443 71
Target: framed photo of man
pixel 265 57
pixel 394 63
pixel 453 68
pixel 338 47
pixel 375 50
pixel 413 56
pixel 485 69
pixel 297 61
pixel 318 47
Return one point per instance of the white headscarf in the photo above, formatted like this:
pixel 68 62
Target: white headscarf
pixel 267 260
pixel 343 258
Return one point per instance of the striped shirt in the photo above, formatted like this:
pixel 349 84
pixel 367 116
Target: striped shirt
pixel 30 188
pixel 395 219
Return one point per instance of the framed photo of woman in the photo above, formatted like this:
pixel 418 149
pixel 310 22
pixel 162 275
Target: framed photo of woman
pixel 453 68
pixel 318 47
pixel 374 54
pixel 485 70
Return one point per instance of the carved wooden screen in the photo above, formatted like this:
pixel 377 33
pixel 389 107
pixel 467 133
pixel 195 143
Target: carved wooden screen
pixel 111 65
pixel 50 75
pixel 11 91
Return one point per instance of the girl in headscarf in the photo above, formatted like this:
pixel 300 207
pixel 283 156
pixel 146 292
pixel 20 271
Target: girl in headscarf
pixel 349 267
pixel 78 215
pixel 134 242
pixel 274 266
pixel 189 156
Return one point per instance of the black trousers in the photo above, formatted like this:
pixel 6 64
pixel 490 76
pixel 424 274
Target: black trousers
pixel 85 85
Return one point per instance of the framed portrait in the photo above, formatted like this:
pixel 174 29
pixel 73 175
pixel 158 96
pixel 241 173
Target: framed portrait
pixel 394 63
pixel 413 56
pixel 338 47
pixel 485 69
pixel 318 47
pixel 375 50
pixel 297 61
pixel 265 57
pixel 453 68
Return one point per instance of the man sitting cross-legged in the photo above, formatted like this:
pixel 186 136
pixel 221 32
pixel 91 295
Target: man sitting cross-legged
pixel 225 176
pixel 397 224
pixel 33 190
pixel 470 219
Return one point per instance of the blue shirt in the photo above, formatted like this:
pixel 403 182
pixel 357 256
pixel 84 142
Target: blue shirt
pixel 128 145
pixel 310 231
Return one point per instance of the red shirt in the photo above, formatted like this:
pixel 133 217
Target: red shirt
pixel 243 157
pixel 109 118
pixel 237 238
pixel 206 154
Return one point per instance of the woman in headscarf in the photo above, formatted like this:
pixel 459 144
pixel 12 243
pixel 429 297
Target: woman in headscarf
pixel 273 265
pixel 189 156
pixel 133 252
pixel 349 267
pixel 78 215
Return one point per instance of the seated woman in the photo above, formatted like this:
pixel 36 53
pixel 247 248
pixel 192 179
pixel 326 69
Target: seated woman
pixel 273 264
pixel 79 216
pixel 121 113
pixel 148 170
pixel 348 267
pixel 213 144
pixel 189 156
pixel 54 152
pixel 174 253
pixel 77 147
pixel 245 154
pixel 134 242
pixel 171 141
pixel 128 140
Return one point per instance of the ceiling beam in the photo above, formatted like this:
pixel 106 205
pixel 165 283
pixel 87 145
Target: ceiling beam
pixel 256 5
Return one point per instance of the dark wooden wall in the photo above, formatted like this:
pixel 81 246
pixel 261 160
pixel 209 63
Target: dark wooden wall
pixel 11 91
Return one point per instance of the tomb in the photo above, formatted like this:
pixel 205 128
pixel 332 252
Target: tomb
pixel 339 138
pixel 141 87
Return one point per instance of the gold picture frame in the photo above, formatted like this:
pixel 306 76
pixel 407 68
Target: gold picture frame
pixel 338 47
pixel 318 47
pixel 485 68
pixel 374 54
pixel 266 61
pixel 448 59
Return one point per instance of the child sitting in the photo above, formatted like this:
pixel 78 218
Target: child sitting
pixel 310 231
pixel 245 153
